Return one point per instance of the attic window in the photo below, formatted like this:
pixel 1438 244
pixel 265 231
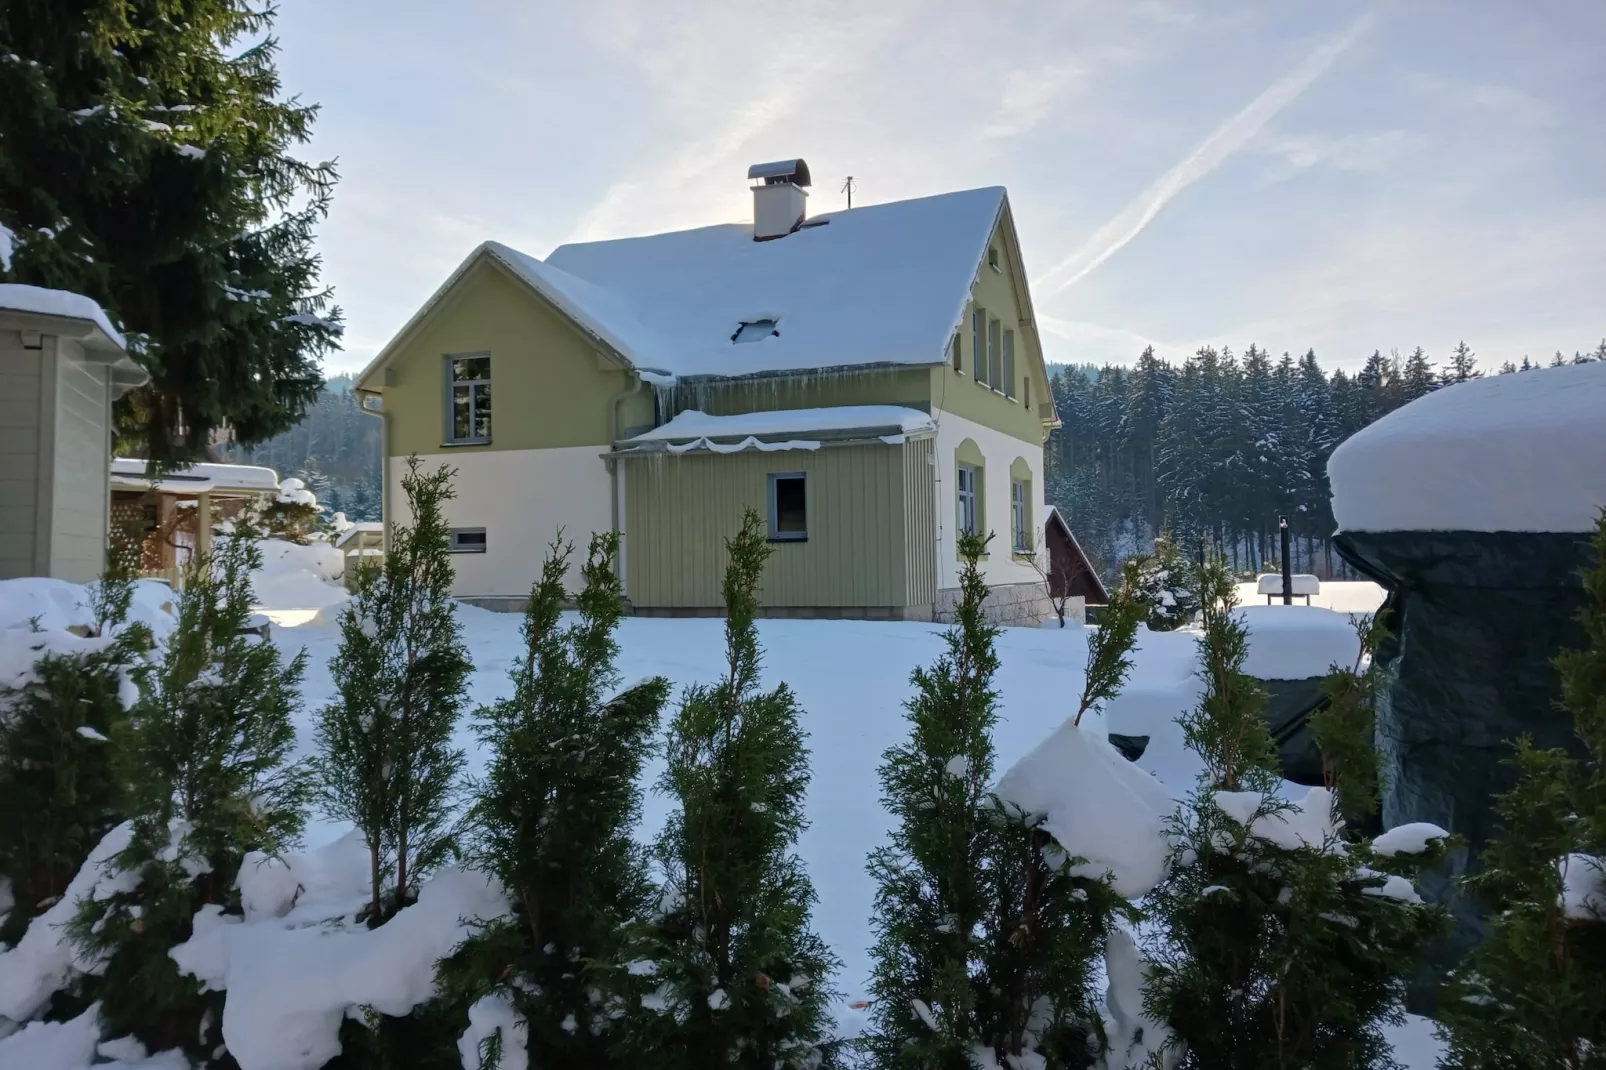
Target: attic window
pixel 992 258
pixel 754 331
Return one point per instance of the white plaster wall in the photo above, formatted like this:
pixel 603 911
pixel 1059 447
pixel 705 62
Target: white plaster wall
pixel 520 498
pixel 999 451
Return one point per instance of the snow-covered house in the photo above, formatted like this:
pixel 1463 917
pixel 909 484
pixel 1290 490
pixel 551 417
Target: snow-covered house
pixel 871 381
pixel 62 364
pixel 174 513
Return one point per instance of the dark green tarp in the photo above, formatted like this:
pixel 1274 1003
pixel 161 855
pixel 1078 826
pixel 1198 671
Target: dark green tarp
pixel 1289 704
pixel 1476 618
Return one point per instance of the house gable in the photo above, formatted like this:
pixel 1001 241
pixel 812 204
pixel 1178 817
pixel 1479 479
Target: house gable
pixel 1001 290
pixel 552 384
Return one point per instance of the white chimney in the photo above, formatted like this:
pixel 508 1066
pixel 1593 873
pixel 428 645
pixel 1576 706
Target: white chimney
pixel 779 200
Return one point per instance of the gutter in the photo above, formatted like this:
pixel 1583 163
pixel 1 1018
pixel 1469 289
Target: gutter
pixel 613 469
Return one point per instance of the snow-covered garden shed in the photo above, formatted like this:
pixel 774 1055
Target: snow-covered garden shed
pixel 870 381
pixel 173 515
pixel 1472 507
pixel 62 365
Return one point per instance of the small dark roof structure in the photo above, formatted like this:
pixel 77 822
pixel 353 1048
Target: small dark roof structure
pixel 1069 570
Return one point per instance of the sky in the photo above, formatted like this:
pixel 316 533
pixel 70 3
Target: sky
pixel 1339 176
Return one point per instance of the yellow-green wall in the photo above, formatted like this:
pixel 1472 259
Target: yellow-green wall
pixel 864 516
pixel 549 387
pixel 1000 291
pixel 808 390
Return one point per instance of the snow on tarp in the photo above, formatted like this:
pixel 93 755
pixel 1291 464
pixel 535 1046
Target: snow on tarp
pixel 299 961
pixel 64 303
pixel 1097 805
pixel 882 284
pixel 1297 642
pixel 58 605
pixel 694 424
pixel 1306 822
pixel 1408 839
pixel 1517 452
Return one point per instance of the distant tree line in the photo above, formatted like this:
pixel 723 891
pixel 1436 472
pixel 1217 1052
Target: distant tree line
pixel 335 449
pixel 1214 451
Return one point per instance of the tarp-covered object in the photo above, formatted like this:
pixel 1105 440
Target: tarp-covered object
pixel 1476 618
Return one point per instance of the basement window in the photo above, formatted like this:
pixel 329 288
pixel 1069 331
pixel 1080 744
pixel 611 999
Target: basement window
pixel 754 331
pixel 468 540
pixel 789 518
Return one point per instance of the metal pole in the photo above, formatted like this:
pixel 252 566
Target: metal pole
pixel 1288 569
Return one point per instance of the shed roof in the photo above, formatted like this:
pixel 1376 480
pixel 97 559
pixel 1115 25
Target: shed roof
pixel 128 473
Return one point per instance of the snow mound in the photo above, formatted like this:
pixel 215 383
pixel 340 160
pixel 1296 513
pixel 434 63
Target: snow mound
pixel 44 958
pixel 487 1017
pixel 1306 822
pixel 60 605
pixel 1134 1038
pixel 292 969
pixel 293 576
pixel 1297 642
pixel 54 1045
pixel 1409 839
pixel 1097 805
pixel 1523 452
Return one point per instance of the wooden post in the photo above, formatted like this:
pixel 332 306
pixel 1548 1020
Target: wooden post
pixel 1288 568
pixel 203 524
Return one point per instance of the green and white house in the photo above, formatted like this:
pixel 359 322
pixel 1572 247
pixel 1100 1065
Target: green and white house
pixel 871 381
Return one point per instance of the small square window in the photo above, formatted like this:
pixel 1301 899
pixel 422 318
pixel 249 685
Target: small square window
pixel 468 540
pixel 992 258
pixel 789 518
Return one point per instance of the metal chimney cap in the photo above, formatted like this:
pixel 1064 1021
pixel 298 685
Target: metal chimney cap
pixel 794 171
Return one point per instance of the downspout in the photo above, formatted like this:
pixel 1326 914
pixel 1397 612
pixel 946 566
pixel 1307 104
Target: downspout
pixel 613 463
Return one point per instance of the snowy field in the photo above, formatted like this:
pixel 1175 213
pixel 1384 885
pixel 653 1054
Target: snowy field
pixel 851 677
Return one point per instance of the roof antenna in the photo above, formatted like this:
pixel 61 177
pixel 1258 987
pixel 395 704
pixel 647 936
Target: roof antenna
pixel 847 187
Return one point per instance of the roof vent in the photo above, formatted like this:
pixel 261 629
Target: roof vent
pixel 779 200
pixel 754 330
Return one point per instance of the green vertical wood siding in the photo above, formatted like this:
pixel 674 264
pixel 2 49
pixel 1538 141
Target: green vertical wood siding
pixel 863 549
pixel 920 521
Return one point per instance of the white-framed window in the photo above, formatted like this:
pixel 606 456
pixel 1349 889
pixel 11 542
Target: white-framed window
pixel 1009 363
pixel 468 398
pixel 789 507
pixel 992 258
pixel 978 344
pixel 1019 516
pixel 968 499
pixel 468 540
pixel 995 355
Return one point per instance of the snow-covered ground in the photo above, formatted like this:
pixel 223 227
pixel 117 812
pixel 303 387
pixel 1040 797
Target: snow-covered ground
pixel 852 678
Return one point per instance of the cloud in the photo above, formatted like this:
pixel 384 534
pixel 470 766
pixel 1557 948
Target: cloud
pixel 1352 152
pixel 1029 96
pixel 1223 142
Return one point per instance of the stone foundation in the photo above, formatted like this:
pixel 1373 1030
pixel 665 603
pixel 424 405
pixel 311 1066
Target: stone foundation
pixel 1013 605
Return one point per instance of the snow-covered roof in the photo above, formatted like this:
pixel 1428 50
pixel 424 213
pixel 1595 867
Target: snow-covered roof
pixel 65 304
pixel 129 473
pixel 1525 451
pixel 692 424
pixel 359 529
pixel 883 284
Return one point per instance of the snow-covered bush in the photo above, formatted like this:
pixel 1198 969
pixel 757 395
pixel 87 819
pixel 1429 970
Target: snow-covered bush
pixel 1277 939
pixel 738 976
pixel 552 820
pixel 989 917
pixel 209 781
pixel 386 761
pixel 1163 582
pixel 63 711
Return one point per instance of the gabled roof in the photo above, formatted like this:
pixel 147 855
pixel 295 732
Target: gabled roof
pixel 883 284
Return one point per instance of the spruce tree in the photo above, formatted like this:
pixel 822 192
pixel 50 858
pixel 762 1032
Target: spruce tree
pixel 62 731
pixel 211 779
pixel 984 941
pixel 1463 365
pixel 1275 945
pixel 553 819
pixel 740 978
pixel 149 163
pixel 1533 992
pixel 386 761
pixel 1163 583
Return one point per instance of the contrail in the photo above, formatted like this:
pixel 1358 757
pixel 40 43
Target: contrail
pixel 1225 140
